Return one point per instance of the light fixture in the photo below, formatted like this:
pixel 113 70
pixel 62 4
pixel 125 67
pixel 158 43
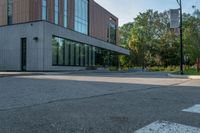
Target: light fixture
pixel 35 39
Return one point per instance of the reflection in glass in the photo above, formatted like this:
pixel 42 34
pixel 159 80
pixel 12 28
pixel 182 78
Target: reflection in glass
pixel 81 16
pixel 111 33
pixel 77 55
pixel 71 53
pixel 44 9
pixel 65 13
pixel 67 51
pixel 56 11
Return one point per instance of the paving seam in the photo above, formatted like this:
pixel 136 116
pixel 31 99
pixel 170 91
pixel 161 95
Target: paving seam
pixel 95 96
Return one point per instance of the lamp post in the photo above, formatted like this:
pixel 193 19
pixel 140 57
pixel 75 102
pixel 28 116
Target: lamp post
pixel 181 36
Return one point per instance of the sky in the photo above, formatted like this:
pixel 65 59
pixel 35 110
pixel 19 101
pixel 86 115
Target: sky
pixel 127 10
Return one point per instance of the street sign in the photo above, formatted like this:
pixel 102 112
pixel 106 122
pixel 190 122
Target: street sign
pixel 174 18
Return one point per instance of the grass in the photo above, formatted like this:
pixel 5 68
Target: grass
pixel 190 71
pixel 175 70
pixel 170 69
pixel 113 68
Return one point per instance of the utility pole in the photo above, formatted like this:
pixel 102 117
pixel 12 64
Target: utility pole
pixel 181 36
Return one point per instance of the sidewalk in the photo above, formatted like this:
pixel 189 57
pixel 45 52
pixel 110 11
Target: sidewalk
pixel 195 77
pixel 9 74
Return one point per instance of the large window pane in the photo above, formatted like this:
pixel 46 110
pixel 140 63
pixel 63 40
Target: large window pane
pixel 90 56
pixel 81 16
pixel 82 57
pixel 44 9
pixel 10 11
pixel 86 55
pixel 67 52
pixel 77 55
pixel 61 51
pixel 72 53
pixel 93 56
pixel 65 13
pixel 56 11
pixel 111 33
pixel 54 51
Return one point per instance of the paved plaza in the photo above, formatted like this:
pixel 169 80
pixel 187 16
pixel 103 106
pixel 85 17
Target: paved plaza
pixel 93 102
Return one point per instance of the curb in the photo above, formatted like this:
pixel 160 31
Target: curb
pixel 184 76
pixel 3 75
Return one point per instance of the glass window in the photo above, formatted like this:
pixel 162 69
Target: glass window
pixel 90 56
pixel 67 52
pixel 65 13
pixel 58 52
pixel 54 51
pixel 77 55
pixel 111 33
pixel 93 56
pixel 44 9
pixel 81 16
pixel 71 53
pixel 61 51
pixel 82 56
pixel 56 11
pixel 86 55
pixel 10 11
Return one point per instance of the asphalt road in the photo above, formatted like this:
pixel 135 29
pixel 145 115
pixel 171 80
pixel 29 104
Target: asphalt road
pixel 95 102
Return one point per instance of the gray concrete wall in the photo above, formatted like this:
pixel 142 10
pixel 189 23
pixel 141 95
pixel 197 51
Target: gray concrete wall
pixel 10 46
pixel 39 53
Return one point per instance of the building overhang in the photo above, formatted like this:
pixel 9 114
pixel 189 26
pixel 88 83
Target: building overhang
pixel 50 29
pixel 82 38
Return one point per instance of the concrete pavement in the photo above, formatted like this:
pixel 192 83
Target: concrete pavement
pixel 95 102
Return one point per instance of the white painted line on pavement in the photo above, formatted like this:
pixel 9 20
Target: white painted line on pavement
pixel 193 109
pixel 167 127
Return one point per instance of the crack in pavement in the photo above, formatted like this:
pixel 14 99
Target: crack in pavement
pixel 95 96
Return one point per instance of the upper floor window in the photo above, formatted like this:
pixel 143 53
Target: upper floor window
pixel 10 11
pixel 65 13
pixel 44 9
pixel 112 33
pixel 81 16
pixel 56 11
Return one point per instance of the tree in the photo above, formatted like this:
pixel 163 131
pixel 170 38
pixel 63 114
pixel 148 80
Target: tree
pixel 153 43
pixel 191 36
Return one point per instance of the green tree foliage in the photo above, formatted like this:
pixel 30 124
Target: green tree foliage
pixel 153 43
pixel 125 33
pixel 191 38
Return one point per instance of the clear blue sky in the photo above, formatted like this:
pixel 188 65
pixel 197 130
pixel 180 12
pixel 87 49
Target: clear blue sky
pixel 127 10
